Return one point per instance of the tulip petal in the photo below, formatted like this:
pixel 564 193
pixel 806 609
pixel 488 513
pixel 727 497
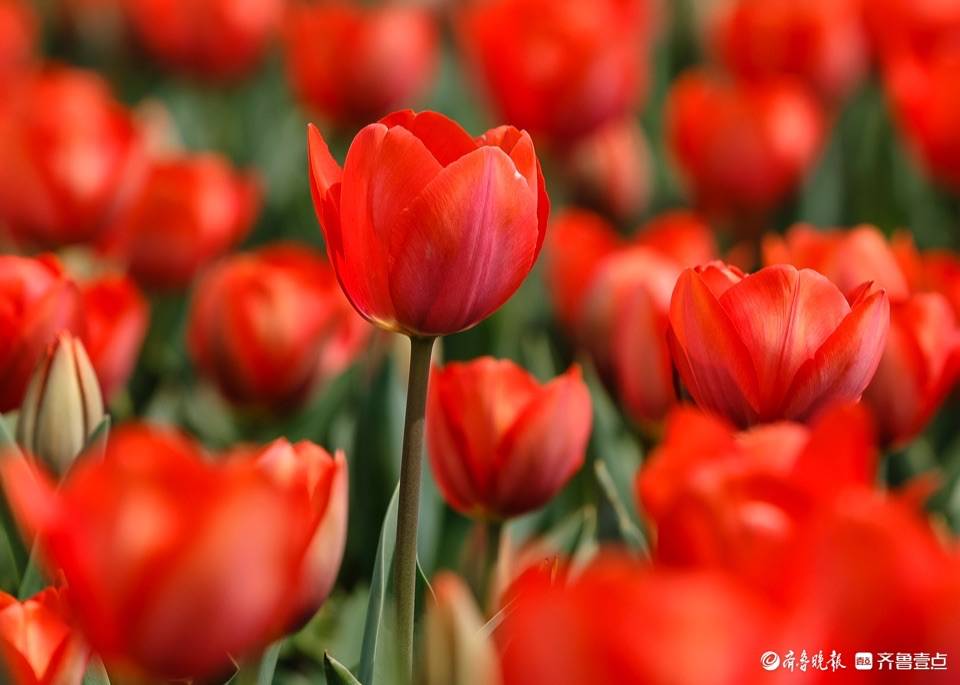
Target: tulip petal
pixel 710 356
pixel 465 245
pixel 783 316
pixel 324 170
pixel 442 136
pixel 845 364
pixel 545 446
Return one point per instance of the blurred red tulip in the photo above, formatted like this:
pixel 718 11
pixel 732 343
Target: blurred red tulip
pixel 612 168
pixel 18 36
pixel 754 147
pixel 37 302
pixel 925 97
pixel 116 316
pixel 353 63
pixel 681 235
pixel 38 644
pixel 215 39
pixel 559 68
pixel 777 344
pixel 501 444
pixel 306 466
pixel 619 622
pixel 429 229
pixel 267 326
pixel 175 564
pixel 822 42
pixel 189 211
pixel 69 155
pixel 930 271
pixel 734 500
pixel 917 26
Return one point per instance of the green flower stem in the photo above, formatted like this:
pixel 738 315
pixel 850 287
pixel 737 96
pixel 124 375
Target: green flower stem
pixel 405 557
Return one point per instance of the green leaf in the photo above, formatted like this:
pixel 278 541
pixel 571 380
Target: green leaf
pixel 378 591
pixel 6 437
pixel 337 673
pixel 258 671
pixel 97 442
pixel 33 580
pixel 18 551
pixel 629 528
pixel 96 674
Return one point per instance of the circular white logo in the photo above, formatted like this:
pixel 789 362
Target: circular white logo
pixel 770 660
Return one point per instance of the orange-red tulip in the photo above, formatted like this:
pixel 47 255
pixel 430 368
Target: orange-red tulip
pixel 115 323
pixel 175 564
pixel 216 39
pixel 619 622
pixel 559 68
pixel 38 643
pixel 754 147
pixel 822 42
pixel 189 211
pixel 352 63
pixel 69 155
pixel 918 26
pixel 929 271
pixel 500 443
pixel 37 301
pixel 777 344
pixel 18 36
pixel 268 325
pixel 429 229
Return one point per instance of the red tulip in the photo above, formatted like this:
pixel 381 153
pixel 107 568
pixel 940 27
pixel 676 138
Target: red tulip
pixel 352 63
pixel 430 230
pixel 267 326
pixel 778 344
pixel 680 235
pixel 501 444
pixel 18 36
pixel 918 26
pixel 924 97
pixel 175 564
pixel 929 271
pixel 38 644
pixel 69 155
pixel 306 466
pixel 116 316
pixel 559 68
pixel 619 622
pixel 821 42
pixel 217 39
pixel 189 211
pixel 37 301
pixel 737 500
pixel 752 150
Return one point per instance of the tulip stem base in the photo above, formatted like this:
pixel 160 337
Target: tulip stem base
pixel 405 555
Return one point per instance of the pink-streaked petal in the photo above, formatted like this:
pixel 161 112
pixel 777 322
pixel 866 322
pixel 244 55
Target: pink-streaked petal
pixel 719 276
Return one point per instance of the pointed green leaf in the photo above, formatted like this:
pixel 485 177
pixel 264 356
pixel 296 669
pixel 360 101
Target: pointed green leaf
pixel 96 674
pixel 337 673
pixel 378 591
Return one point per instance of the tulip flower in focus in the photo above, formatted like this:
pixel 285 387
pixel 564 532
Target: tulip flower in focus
pixel 732 500
pixel 353 63
pixel 212 39
pixel 18 36
pixel 429 229
pixel 38 644
pixel 116 316
pixel 189 211
pixel 921 361
pixel 559 68
pixel 620 622
pixel 37 301
pixel 501 444
pixel 175 564
pixel 267 326
pixel 776 344
pixel 69 157
pixel 753 148
pixel 62 407
pixel 923 96
pixel 457 650
pixel 305 466
pixel 821 42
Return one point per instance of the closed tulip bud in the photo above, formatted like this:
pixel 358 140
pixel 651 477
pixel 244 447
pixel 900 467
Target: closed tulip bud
pixel 353 63
pixel 501 444
pixel 37 302
pixel 457 650
pixel 429 229
pixel 63 405
pixel 777 344
pixel 188 211
pixel 754 148
pixel 38 643
pixel 70 155
pixel 211 39
pixel 18 36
